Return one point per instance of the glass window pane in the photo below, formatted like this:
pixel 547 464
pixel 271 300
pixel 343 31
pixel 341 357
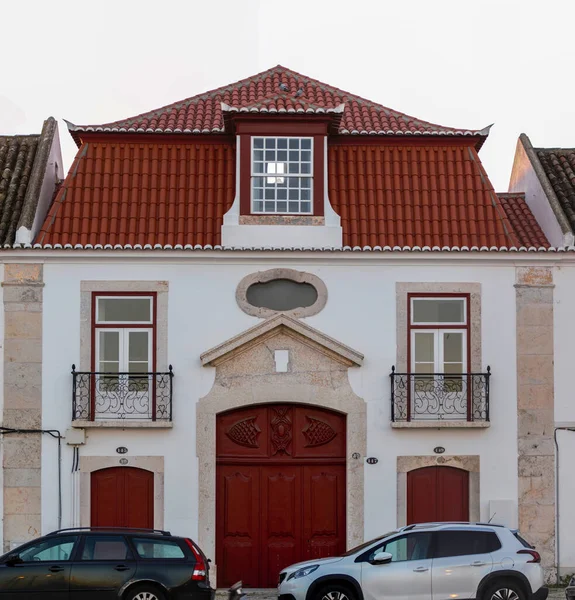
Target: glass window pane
pixel 282 143
pixel 270 143
pixel 424 347
pixel 124 310
pixel 138 345
pixel 438 310
pixel 306 143
pixel 424 367
pixel 151 548
pixel 49 550
pixel 109 367
pixel 453 368
pixel 109 346
pixel 416 546
pixel 105 547
pixel 453 347
pixel 293 143
pixel 258 143
pixel 463 543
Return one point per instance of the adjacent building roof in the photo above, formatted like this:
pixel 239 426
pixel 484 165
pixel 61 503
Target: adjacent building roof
pixel 559 167
pixel 164 193
pixel 276 91
pixel 525 225
pixel 23 162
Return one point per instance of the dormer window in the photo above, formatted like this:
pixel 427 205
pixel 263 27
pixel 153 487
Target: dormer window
pixel 282 175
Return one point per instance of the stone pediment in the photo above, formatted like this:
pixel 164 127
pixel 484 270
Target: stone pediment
pixel 282 324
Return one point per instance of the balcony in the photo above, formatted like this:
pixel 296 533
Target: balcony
pixel 122 399
pixel 440 400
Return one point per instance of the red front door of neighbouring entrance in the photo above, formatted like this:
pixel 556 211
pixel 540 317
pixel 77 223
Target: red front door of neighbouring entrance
pixel 280 490
pixel 437 494
pixel 122 497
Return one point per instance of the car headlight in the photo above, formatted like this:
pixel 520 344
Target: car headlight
pixel 304 572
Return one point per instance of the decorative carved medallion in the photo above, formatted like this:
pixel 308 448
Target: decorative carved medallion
pixel 281 430
pixel 318 433
pixel 245 432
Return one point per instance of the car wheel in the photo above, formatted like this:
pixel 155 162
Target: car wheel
pixel 144 592
pixel 335 592
pixel 504 589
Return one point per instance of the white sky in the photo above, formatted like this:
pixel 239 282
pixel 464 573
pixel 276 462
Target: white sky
pixel 461 63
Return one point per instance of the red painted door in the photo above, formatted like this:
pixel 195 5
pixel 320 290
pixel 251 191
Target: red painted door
pixel 280 494
pixel 122 497
pixel 437 494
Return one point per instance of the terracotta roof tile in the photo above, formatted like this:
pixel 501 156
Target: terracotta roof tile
pixel 559 166
pixel 392 195
pixel 415 195
pixel 143 193
pixel 277 90
pixel 526 227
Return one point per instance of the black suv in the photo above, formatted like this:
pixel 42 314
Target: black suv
pixel 106 564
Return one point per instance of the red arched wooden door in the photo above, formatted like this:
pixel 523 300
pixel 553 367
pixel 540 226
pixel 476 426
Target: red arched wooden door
pixel 280 491
pixel 437 494
pixel 122 497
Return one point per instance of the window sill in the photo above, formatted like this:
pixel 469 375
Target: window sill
pixel 271 219
pixel 122 424
pixel 440 424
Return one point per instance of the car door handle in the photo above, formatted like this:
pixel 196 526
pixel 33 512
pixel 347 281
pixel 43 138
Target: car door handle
pixel 478 563
pixel 420 570
pixel 55 569
pixel 122 568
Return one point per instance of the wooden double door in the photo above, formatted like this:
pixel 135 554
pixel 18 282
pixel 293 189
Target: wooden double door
pixel 122 497
pixel 437 494
pixel 281 490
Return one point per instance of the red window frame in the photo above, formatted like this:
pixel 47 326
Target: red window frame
pixel 410 328
pixel 96 326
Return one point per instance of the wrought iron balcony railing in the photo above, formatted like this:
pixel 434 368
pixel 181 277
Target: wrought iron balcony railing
pixel 127 396
pixel 440 396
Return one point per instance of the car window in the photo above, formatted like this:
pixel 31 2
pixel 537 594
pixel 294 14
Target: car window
pixel 49 550
pixel 359 548
pixel 463 543
pixel 105 547
pixel 412 546
pixel 154 548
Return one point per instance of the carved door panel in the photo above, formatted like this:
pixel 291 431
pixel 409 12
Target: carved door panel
pixel 281 520
pixel 437 494
pixel 280 492
pixel 238 524
pixel 324 510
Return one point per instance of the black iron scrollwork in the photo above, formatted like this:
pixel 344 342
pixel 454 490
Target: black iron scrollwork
pixel 440 396
pixel 103 396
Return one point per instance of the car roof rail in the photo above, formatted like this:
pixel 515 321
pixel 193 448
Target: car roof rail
pixel 124 529
pixel 447 523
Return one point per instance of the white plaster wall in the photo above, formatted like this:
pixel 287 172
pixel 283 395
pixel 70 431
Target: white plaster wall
pixel 360 312
pixel 524 179
pixel 564 340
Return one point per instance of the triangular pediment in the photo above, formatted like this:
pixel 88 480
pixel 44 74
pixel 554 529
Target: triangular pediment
pixel 278 324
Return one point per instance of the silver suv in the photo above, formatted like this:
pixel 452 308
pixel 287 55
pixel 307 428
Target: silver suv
pixel 431 561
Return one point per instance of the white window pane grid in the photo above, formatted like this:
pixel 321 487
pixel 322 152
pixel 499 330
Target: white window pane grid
pixel 292 160
pixel 112 310
pixel 430 361
pixel 438 311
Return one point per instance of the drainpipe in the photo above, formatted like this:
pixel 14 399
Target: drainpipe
pixel 557 546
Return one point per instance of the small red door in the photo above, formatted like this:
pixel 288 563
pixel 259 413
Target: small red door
pixel 280 495
pixel 437 494
pixel 122 497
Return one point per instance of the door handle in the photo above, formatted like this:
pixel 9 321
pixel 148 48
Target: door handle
pixel 55 569
pixel 420 570
pixel 121 568
pixel 478 563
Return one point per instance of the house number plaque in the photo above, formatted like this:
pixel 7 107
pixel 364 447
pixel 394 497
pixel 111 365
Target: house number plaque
pixel 439 450
pixel 372 460
pixel 122 450
pixel 123 461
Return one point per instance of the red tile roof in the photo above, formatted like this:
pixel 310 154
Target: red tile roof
pixel 524 223
pixel 415 195
pixel 158 192
pixel 277 90
pixel 143 193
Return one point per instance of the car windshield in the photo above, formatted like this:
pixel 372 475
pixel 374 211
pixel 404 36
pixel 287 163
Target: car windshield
pixel 367 544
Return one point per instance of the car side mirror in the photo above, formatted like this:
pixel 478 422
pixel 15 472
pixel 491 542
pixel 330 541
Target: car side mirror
pixel 13 559
pixel 381 558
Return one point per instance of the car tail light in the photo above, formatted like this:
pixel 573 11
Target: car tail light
pixel 536 558
pixel 200 569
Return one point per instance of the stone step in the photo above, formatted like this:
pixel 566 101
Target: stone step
pixel 250 593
